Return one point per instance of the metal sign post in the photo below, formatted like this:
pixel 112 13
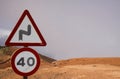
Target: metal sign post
pixel 25 77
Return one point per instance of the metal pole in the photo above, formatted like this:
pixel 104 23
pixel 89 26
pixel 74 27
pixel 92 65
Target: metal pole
pixel 25 77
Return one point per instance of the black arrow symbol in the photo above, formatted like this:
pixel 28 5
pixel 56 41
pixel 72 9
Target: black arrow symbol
pixel 23 32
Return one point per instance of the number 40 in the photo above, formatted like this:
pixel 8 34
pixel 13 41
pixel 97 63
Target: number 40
pixel 22 61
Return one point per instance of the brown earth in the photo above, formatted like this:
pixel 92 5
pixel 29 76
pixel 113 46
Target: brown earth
pixel 77 68
pixel 84 61
pixel 68 71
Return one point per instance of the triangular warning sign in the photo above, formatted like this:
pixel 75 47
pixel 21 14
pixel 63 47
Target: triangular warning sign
pixel 25 33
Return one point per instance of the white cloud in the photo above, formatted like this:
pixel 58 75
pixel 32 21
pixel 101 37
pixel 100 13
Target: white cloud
pixel 3 35
pixel 4 32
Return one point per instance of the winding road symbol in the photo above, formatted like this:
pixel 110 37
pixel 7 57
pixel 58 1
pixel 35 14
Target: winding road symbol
pixel 23 32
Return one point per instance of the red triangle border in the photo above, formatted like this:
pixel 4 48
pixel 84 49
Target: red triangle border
pixel 25 13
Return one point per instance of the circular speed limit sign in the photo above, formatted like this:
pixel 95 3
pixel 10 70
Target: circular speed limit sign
pixel 25 61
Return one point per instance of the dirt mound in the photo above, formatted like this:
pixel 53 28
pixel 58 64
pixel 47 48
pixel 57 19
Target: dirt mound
pixel 4 61
pixel 85 61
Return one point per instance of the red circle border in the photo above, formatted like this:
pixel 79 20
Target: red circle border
pixel 18 52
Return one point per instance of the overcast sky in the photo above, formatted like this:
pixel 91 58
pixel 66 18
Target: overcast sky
pixel 71 28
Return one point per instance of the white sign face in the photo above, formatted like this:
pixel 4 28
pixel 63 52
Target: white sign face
pixel 25 61
pixel 26 33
